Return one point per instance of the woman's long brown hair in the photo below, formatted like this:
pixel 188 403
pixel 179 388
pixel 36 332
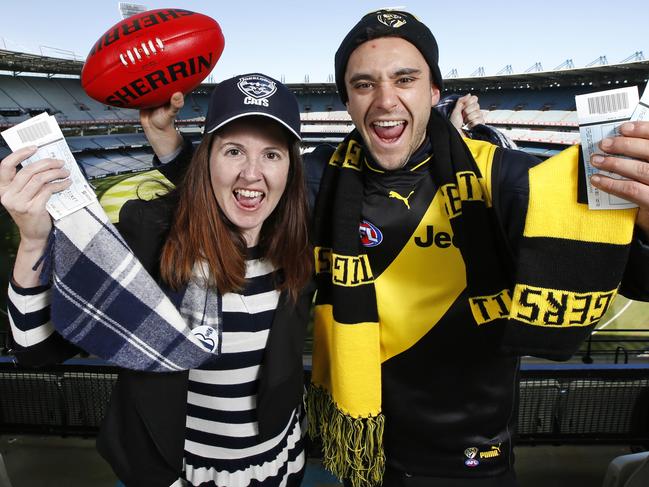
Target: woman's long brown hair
pixel 201 231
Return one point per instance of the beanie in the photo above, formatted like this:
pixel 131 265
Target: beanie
pixel 387 23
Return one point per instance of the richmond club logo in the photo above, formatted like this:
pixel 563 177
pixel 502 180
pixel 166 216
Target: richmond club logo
pixel 370 235
pixel 257 89
pixel 391 20
pixel 470 454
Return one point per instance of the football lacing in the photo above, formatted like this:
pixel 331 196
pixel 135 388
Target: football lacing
pixel 148 48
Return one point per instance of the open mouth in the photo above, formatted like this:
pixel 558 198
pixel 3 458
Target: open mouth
pixel 389 130
pixel 248 199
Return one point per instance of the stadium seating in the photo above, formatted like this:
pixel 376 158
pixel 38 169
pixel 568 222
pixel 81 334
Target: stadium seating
pixel 324 118
pixel 537 113
pixel 64 98
pixel 332 116
pixel 558 403
pixel 549 118
pixel 195 106
pixel 600 406
pixel 538 406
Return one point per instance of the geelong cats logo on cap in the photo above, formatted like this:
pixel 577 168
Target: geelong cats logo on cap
pixel 257 90
pixel 391 20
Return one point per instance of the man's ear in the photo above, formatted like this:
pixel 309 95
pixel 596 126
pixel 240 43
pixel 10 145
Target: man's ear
pixel 434 95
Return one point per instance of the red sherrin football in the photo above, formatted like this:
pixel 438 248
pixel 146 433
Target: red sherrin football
pixel 142 60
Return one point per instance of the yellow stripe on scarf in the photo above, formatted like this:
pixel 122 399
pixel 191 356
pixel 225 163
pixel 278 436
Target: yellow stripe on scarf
pixel 552 211
pixel 350 353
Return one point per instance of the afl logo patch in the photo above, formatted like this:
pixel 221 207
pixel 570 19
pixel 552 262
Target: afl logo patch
pixel 257 87
pixel 470 454
pixel 370 235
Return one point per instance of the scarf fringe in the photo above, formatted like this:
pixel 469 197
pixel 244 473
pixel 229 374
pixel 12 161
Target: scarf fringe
pixel 352 447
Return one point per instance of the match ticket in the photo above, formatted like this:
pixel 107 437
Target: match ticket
pixel 600 115
pixel 44 132
pixel 641 111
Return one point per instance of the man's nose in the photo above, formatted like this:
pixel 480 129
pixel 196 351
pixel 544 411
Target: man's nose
pixel 386 96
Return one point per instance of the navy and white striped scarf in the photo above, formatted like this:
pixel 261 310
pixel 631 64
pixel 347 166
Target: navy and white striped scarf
pixel 106 303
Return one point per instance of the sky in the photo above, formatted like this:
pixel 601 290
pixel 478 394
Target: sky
pixel 295 41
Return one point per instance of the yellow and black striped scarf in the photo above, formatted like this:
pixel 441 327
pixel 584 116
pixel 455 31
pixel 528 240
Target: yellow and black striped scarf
pixel 555 297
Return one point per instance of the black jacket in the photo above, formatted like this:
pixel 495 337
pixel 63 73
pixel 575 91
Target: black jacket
pixel 142 435
pixel 455 390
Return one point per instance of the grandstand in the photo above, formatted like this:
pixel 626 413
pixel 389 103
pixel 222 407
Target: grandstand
pixel 537 110
pixel 596 403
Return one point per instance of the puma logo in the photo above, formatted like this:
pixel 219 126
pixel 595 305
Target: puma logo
pixel 493 453
pixel 394 194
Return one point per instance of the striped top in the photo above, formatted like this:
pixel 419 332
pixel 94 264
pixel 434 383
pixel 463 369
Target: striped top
pixel 221 438
pixel 222 445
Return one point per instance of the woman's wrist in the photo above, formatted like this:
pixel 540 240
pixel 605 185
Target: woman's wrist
pixel 28 254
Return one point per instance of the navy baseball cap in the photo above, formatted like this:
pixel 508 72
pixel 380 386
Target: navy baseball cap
pixel 253 94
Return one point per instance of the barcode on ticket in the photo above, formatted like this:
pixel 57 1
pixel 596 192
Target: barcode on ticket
pixel 32 133
pixel 610 103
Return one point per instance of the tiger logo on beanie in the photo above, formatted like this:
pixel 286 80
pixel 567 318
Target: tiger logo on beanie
pixel 391 19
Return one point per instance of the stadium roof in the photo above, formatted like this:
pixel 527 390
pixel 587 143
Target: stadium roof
pixel 627 73
pixel 21 62
pixel 632 72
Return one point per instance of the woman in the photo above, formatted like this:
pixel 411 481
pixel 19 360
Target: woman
pixel 238 224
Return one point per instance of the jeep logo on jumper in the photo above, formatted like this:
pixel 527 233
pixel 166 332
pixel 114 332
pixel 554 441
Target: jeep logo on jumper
pixel 443 240
pixel 257 90
pixel 391 20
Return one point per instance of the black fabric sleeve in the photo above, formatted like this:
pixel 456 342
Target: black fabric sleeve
pixel 314 166
pixel 174 170
pixel 635 283
pixel 52 350
pixel 145 226
pixel 510 189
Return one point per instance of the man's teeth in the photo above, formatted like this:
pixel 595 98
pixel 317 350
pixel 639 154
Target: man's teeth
pixel 388 123
pixel 248 193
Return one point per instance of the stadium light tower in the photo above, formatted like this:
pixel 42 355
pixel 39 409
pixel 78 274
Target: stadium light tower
pixel 535 68
pixel 636 56
pixel 128 9
pixel 567 64
pixel 451 74
pixel 600 61
pixel 61 53
pixel 478 72
pixel 506 70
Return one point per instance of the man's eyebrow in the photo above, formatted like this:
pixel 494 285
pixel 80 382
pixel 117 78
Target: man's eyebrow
pixel 395 74
pixel 404 71
pixel 360 76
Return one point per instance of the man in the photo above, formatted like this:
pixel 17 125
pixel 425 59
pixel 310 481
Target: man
pixel 469 256
pixel 406 352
